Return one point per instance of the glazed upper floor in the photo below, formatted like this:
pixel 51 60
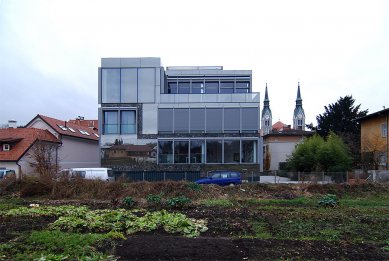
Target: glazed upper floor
pixel 144 80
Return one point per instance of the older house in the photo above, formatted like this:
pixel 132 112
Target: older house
pixel 374 139
pixel 18 148
pixel 80 144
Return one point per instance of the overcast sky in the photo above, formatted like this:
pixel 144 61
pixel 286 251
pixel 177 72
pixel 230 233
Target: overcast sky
pixel 50 50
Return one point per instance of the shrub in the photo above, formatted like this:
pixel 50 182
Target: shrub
pixel 128 201
pixel 153 199
pixel 329 200
pixel 194 186
pixel 178 202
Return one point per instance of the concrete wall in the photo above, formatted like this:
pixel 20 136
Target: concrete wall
pixel 279 152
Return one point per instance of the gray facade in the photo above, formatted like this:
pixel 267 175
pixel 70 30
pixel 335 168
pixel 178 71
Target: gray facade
pixel 200 115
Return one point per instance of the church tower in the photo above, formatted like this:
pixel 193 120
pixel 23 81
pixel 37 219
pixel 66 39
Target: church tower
pixel 266 120
pixel 299 115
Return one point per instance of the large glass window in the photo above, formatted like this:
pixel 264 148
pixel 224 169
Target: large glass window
pixel 212 87
pixel 250 119
pixel 197 87
pixel 231 151
pixel 165 151
pixel 226 87
pixel 184 87
pixel 110 85
pixel 214 151
pixel 249 151
pixel 197 120
pixel 231 119
pixel 214 120
pixel 172 87
pixel 181 151
pixel 128 122
pixel 165 120
pixel 242 87
pixel 181 120
pixel 129 88
pixel 111 122
pixel 197 151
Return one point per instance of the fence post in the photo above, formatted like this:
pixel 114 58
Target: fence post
pixel 252 177
pixel 164 176
pixel 185 175
pixel 322 177
pixel 143 175
pixel 298 176
pixel 347 177
pixel 275 176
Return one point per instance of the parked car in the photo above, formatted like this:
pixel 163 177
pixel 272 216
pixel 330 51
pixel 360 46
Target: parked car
pixel 222 178
pixel 90 173
pixel 6 173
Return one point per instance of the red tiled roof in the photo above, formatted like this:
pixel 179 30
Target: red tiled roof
pixel 71 129
pixel 279 125
pixel 92 124
pixel 21 139
pixel 131 147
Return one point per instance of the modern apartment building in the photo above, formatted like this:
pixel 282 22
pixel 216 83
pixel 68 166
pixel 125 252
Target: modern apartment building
pixel 204 117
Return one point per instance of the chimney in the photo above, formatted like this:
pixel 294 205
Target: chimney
pixel 12 124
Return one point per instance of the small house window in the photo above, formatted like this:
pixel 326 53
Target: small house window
pixel 6 147
pixel 384 130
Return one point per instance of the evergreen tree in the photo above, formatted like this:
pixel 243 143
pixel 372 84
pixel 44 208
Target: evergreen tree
pixel 341 118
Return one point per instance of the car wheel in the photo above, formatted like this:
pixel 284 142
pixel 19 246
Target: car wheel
pixel 231 184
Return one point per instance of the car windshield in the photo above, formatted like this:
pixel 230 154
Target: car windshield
pixel 216 176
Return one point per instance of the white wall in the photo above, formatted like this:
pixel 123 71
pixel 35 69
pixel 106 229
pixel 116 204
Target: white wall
pixel 78 153
pixel 279 152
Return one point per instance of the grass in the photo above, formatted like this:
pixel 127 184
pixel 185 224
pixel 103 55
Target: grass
pixel 8 203
pixel 56 245
pixel 217 202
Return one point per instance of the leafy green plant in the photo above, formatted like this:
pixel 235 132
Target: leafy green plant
pixel 129 202
pixel 194 186
pixel 153 199
pixel 178 202
pixel 328 200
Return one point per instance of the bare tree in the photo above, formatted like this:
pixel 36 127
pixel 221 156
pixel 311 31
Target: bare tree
pixel 44 159
pixel 372 149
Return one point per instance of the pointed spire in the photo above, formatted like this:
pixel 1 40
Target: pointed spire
pixel 298 93
pixel 266 95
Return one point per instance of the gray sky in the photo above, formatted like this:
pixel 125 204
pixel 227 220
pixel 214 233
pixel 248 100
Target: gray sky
pixel 50 50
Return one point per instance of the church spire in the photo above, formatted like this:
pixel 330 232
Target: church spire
pixel 266 114
pixel 299 115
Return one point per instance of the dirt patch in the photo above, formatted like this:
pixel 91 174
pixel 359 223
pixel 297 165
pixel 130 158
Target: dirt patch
pixel 165 247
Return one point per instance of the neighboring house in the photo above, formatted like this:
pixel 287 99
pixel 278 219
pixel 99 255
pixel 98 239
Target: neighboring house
pixel 80 145
pixel 136 152
pixel 374 139
pixel 204 116
pixel 280 139
pixel 17 148
pixel 279 145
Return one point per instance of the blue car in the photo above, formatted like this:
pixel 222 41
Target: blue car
pixel 222 178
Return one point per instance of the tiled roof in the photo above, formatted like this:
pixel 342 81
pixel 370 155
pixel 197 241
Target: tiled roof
pixel 131 147
pixel 21 139
pixel 279 125
pixel 91 124
pixel 69 129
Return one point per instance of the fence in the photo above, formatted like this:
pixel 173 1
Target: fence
pixel 262 177
pixel 157 175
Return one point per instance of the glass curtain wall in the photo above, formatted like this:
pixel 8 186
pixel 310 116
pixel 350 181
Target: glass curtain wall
pixel 165 151
pixel 181 151
pixel 197 151
pixel 231 151
pixel 214 151
pixel 249 151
